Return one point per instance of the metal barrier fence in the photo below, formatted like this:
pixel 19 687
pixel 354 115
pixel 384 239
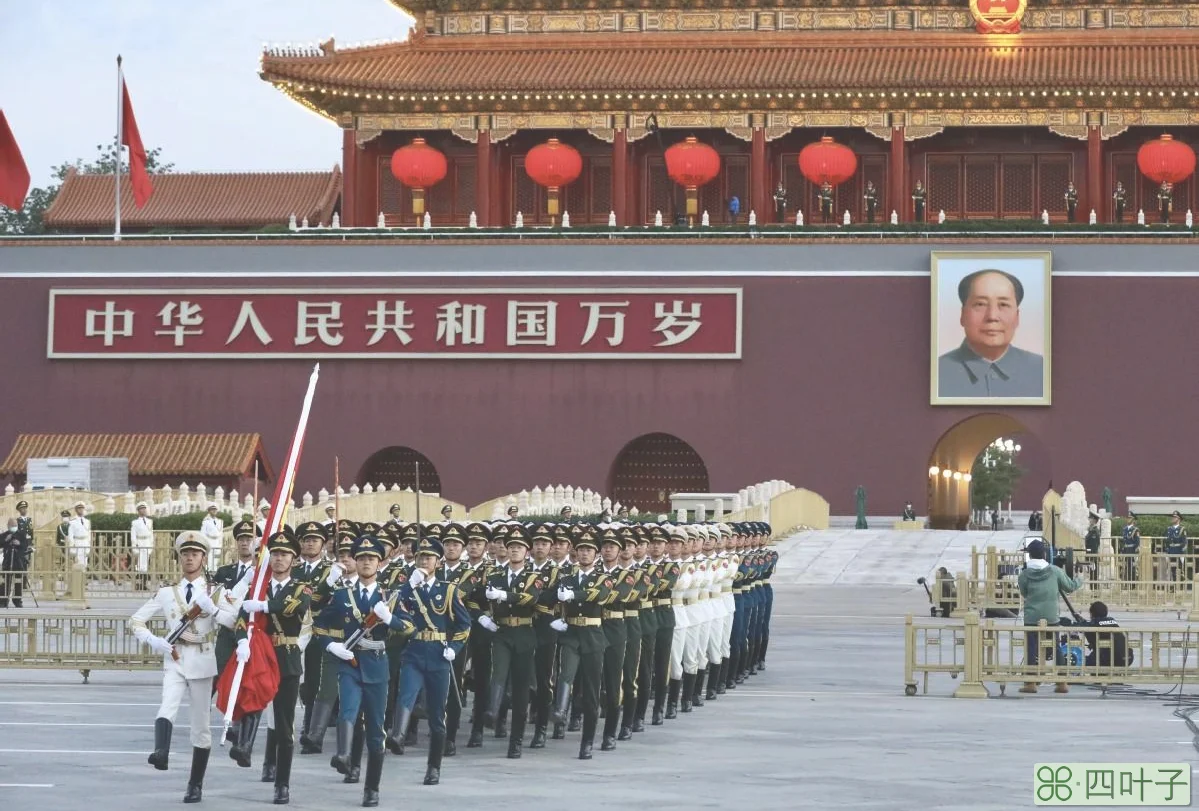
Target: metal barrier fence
pixel 83 642
pixel 984 651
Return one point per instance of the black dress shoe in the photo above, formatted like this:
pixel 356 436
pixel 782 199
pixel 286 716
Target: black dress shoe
pixel 353 774
pixel 268 772
pixel 639 725
pixel 626 734
pixel 501 728
pixel 309 747
pixel 370 798
pixel 475 740
pixel 559 732
pixel 282 795
pixel 394 745
pixel 656 720
pixel 585 750
pixel 608 744
pixel 194 794
pixel 538 741
pixel 672 711
pixel 762 665
pixel 450 749
pixel 514 748
pixel 432 776
pixel 575 725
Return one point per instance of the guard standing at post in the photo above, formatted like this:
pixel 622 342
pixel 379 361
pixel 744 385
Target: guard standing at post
pixel 870 199
pixel 512 592
pixel 583 594
pixel 1130 546
pixel 141 541
pixel 1165 201
pixel 213 529
pixel 780 203
pixel 919 195
pixel 1119 199
pixel 80 533
pixel 286 606
pixel 1071 202
pixel 442 627
pixel 363 673
pixel 14 557
pixel 188 665
pixel 825 197
pixel 1177 547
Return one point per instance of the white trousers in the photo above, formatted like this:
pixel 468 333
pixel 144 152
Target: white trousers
pixel 716 639
pixel 199 695
pixel 678 642
pixel 81 553
pixel 143 560
pixel 691 647
pixel 704 635
pixel 730 609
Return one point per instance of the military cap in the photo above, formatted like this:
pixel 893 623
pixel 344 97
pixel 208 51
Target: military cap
pixel 78 504
pixel 513 510
pixel 283 541
pixel 212 505
pixel 656 533
pixel 518 535
pixel 562 532
pixel 586 538
pixel 65 514
pixel 347 527
pixel 678 532
pixel 446 509
pixel 431 546
pixel 765 528
pixel 500 533
pixel 244 528
pixel 542 532
pixel 434 531
pixel 369 528
pixel 611 536
pixel 328 507
pixel 139 506
pixel 393 508
pixel 453 532
pixel 566 509
pixel 345 543
pixel 21 504
pixel 311 529
pixel 388 536
pixel 190 539
pixel 368 545
pixel 576 530
pixel 627 536
pixel 640 532
pixel 410 533
pixel 477 531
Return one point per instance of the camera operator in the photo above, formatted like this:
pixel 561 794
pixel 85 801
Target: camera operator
pixel 15 545
pixel 1040 584
pixel 1114 654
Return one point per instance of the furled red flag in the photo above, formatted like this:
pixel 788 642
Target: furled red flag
pixel 14 174
pixel 130 137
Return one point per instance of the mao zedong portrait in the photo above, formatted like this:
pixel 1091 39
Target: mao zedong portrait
pixel 986 364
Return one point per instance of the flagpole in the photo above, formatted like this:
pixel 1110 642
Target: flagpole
pixel 116 234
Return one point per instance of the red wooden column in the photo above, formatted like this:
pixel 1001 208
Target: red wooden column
pixel 1095 187
pixel 349 177
pixel 483 178
pixel 620 172
pixel 366 208
pixel 759 172
pixel 898 171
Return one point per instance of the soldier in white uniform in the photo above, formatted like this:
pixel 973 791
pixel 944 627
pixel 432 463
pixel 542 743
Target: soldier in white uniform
pixel 676 549
pixel 330 516
pixel 264 512
pixel 141 533
pixel 729 563
pixel 188 665
pixel 701 611
pixel 213 530
pixel 80 535
pixel 717 570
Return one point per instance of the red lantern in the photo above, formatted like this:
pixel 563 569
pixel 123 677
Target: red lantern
pixel 553 165
pixel 418 166
pixel 691 165
pixel 1166 160
pixel 827 161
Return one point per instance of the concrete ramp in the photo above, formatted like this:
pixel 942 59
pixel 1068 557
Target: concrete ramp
pixel 880 557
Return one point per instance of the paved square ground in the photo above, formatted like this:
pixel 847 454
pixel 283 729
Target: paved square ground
pixel 825 726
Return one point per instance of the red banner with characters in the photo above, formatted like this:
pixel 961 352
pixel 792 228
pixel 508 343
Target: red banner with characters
pixel 568 323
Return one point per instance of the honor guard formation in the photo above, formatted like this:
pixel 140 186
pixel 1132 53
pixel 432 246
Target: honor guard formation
pixel 498 626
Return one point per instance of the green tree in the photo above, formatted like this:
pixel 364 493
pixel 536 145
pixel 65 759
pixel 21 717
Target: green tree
pixel 28 219
pixel 994 476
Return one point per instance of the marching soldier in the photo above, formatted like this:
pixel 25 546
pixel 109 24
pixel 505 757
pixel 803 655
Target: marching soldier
pixel 870 198
pixel 457 572
pixel 286 606
pixel 547 637
pixel 825 197
pixel 342 574
pixel 512 592
pixel 771 560
pixel 363 672
pixel 727 569
pixel 442 627
pixel 213 530
pixel 234 579
pixel 80 535
pixel 631 684
pixel 611 544
pixel 1165 201
pixel 478 537
pixel 311 569
pixel 141 533
pixel 780 203
pixel 681 570
pixel 919 195
pixel 1071 201
pixel 663 575
pixel 583 594
pixel 189 663
pixel 1119 200
pixel 392 575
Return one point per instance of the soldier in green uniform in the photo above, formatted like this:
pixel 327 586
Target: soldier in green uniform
pixel 919 195
pixel 1119 200
pixel 634 631
pixel 870 200
pixel 611 545
pixel 311 568
pixel 230 576
pixel 394 575
pixel 478 646
pixel 664 574
pixel 825 198
pixel 512 592
pixel 651 575
pixel 583 593
pixel 560 549
pixel 780 203
pixel 286 605
pixel 1165 201
pixel 455 571
pixel 547 637
pixel 1071 202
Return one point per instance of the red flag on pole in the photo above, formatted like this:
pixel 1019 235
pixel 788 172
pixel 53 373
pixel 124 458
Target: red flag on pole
pixel 130 137
pixel 14 174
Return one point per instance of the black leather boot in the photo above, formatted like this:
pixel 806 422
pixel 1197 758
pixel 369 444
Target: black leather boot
pixel 341 761
pixel 195 782
pixel 397 736
pixel 322 714
pixel 762 651
pixel 608 744
pixel 576 720
pixel 626 726
pixel 437 744
pixel 672 700
pixel 450 747
pixel 476 738
pixel 713 678
pixel 284 752
pixel 162 744
pixel 306 727
pixel 688 691
pixel 588 739
pixel 729 671
pixel 515 745
pixel 561 708
pixel 539 737
pixel 244 747
pixel 559 732
pixel 697 697
pixel 657 719
pixel 501 719
pixel 269 757
pixel 357 744
pixel 374 772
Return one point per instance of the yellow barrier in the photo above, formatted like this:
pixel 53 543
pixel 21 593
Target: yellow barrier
pixel 797 508
pixel 982 652
pixel 83 642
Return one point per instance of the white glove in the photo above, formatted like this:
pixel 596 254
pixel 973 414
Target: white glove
pixel 251 606
pixel 160 645
pixel 382 612
pixel 206 604
pixel 449 655
pixel 565 594
pixel 418 576
pixel 243 650
pixel 339 650
pixel 335 573
pixel 488 623
pixel 493 593
pixel 558 625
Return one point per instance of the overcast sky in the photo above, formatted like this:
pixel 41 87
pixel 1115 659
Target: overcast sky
pixel 192 72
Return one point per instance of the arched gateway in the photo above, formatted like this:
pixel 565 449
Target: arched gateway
pixel 397 465
pixel 651 467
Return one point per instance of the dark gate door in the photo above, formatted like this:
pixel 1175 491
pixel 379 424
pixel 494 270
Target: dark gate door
pixel 397 465
pixel 653 466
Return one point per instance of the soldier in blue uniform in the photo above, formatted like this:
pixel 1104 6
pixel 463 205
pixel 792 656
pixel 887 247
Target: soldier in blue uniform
pixel 455 570
pixel 442 627
pixel 341 574
pixel 478 536
pixel 770 560
pixel 1177 547
pixel 1130 546
pixel 363 672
